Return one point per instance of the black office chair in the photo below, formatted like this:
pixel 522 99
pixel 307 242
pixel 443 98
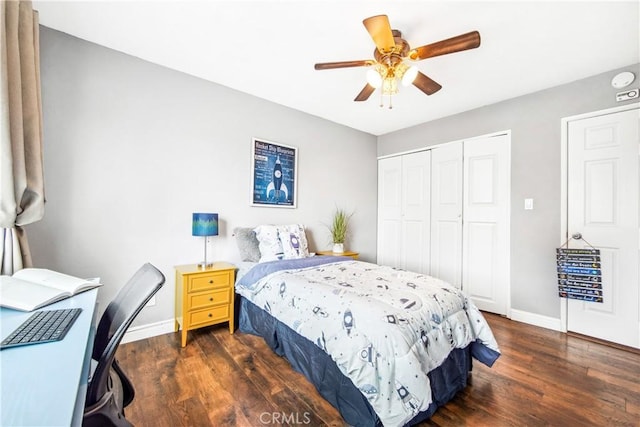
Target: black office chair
pixel 109 390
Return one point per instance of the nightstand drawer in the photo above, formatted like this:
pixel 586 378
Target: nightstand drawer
pixel 211 315
pixel 206 299
pixel 209 281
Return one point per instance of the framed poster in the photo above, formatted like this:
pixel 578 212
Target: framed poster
pixel 274 170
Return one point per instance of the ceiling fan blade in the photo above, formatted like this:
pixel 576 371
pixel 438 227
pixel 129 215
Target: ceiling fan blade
pixel 425 84
pixel 343 64
pixel 380 30
pixel 454 44
pixel 365 93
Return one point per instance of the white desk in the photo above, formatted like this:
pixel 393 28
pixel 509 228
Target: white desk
pixel 45 384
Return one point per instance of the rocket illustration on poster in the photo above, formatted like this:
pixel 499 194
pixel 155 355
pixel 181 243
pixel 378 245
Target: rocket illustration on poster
pixel 276 185
pixel 274 172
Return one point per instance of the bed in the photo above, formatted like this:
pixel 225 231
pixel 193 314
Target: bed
pixel 384 346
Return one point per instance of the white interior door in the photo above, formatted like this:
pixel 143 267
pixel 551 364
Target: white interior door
pixel 416 211
pixel 603 192
pixel 389 211
pixel 446 213
pixel 485 248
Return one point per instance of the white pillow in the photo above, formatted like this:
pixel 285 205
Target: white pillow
pixel 269 243
pixel 294 241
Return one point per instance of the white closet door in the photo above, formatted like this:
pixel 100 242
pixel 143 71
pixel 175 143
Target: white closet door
pixel 404 211
pixel 389 211
pixel 446 213
pixel 485 253
pixel 416 200
pixel 603 206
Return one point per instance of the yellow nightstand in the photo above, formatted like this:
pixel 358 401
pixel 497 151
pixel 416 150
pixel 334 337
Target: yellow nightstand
pixel 353 255
pixel 204 296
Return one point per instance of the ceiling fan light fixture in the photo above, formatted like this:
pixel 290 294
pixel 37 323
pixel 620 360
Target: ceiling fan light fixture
pixel 390 86
pixel 409 75
pixel 374 78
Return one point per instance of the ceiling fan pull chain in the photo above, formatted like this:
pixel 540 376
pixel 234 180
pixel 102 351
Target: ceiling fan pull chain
pixel 390 103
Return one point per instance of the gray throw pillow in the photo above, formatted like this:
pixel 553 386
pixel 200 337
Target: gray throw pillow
pixel 247 244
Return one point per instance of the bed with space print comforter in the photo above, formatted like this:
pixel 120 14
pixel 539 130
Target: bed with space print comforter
pixel 388 331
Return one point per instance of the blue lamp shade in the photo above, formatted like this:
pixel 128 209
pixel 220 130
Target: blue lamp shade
pixel 205 224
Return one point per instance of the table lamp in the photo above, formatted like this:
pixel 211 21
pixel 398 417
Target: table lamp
pixel 205 224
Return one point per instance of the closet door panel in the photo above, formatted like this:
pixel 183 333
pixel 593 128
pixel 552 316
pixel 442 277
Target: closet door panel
pixel 390 243
pixel 480 271
pixel 415 249
pixel 416 209
pixel 389 211
pixel 404 211
pixel 446 244
pixel 486 198
pixel 446 213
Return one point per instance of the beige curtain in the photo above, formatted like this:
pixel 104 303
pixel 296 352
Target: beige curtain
pixel 21 164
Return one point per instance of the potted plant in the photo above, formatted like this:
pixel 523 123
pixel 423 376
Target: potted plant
pixel 338 229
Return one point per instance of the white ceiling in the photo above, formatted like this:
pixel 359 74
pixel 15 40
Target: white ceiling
pixel 268 48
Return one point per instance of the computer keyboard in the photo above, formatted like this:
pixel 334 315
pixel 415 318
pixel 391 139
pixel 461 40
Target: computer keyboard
pixel 42 326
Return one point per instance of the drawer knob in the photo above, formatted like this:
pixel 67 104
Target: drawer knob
pixel 211 299
pixel 210 315
pixel 210 281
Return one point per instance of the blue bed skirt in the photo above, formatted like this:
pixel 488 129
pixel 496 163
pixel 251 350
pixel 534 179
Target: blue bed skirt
pixel 318 367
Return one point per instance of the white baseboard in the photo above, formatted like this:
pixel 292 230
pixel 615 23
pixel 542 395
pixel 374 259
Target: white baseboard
pixel 537 320
pixel 147 331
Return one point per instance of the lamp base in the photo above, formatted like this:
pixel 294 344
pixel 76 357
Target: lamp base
pixel 204 264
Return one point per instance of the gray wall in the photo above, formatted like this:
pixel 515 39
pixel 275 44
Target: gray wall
pixel 535 123
pixel 132 149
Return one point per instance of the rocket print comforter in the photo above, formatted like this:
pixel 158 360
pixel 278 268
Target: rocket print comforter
pixel 385 328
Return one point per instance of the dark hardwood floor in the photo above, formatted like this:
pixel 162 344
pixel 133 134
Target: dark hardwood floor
pixel 543 378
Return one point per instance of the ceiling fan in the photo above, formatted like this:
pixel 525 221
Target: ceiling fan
pixel 390 54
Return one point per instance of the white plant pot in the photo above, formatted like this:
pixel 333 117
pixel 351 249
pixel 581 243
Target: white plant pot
pixel 338 248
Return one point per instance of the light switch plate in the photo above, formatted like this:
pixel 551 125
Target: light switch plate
pixel 528 204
